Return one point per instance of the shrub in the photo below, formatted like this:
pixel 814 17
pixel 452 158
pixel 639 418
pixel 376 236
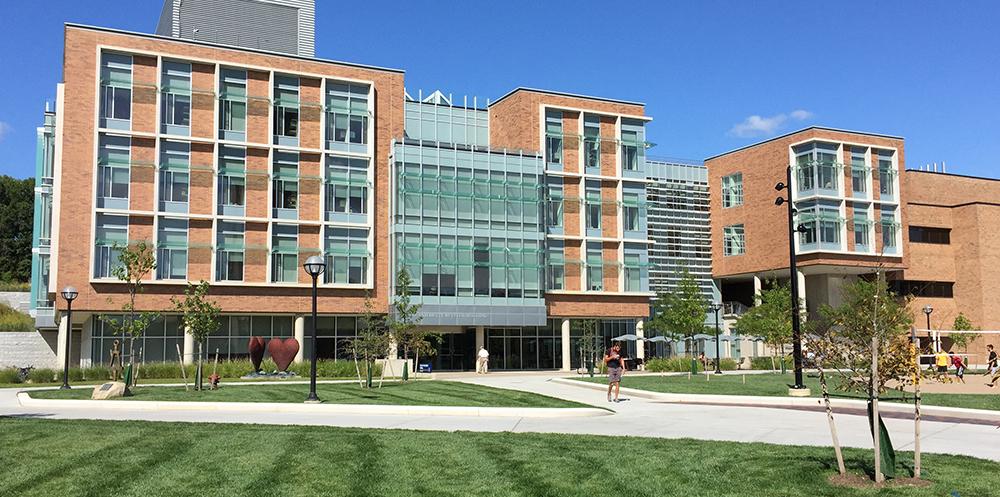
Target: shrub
pixel 13 320
pixel 682 364
pixel 14 286
pixel 9 375
pixel 764 362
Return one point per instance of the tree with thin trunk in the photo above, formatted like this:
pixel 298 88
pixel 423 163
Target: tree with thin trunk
pixel 200 318
pixel 963 340
pixel 818 342
pixel 682 312
pixel 135 261
pixel 404 316
pixel 770 318
pixel 373 340
pixel 588 343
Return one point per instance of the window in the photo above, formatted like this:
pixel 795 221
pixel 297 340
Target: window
pixel 630 211
pixel 175 159
pixel 817 167
pixel 171 249
pixel 592 141
pixel 113 159
pixel 593 201
pixel 347 185
pixel 481 267
pixel 922 234
pixel 286 184
pixel 862 229
pixel 732 190
pixel 110 237
pixel 116 88
pixel 633 269
pixel 630 150
pixel 229 251
pixel 554 214
pixel 821 221
pixel 232 177
pixel 286 108
pixel 886 174
pixel 346 256
pixel 553 137
pixel 233 104
pixel 595 267
pixel 932 289
pixel 889 231
pixel 734 242
pixel 175 103
pixel 556 279
pixel 347 113
pixel 284 253
pixel 859 172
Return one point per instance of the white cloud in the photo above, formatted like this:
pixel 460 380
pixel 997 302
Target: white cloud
pixel 4 129
pixel 763 126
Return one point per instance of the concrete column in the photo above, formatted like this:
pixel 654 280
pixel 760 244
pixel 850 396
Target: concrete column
pixel 757 285
pixel 64 327
pixel 802 290
pixel 188 348
pixel 640 348
pixel 480 338
pixel 86 358
pixel 300 336
pixel 565 345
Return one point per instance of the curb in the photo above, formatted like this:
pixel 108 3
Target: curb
pixel 958 413
pixel 25 400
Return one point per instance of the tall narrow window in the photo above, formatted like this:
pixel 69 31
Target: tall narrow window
pixel 171 249
pixel 232 180
pixel 556 277
pixel 113 171
pixel 859 173
pixel 593 202
pixel 116 90
pixel 175 100
pixel 890 229
pixel 230 251
pixel 630 211
pixel 886 174
pixel 554 214
pixel 862 228
pixel 347 114
pixel 634 262
pixel 346 256
pixel 481 267
pixel 553 138
pixel 286 110
pixel 233 105
pixel 595 267
pixel 734 241
pixel 110 237
pixel 286 185
pixel 175 159
pixel 346 185
pixel 284 253
pixel 592 141
pixel 732 190
pixel 630 150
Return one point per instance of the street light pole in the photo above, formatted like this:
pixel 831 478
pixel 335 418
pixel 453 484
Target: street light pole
pixel 716 307
pixel 314 266
pixel 927 312
pixel 794 276
pixel 69 293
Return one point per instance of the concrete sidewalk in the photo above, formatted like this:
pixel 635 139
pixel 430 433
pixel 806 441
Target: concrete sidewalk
pixel 637 417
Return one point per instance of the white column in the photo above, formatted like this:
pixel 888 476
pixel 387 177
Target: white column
pixel 64 327
pixel 188 347
pixel 802 289
pixel 85 334
pixel 300 336
pixel 565 345
pixel 640 348
pixel 757 285
pixel 480 338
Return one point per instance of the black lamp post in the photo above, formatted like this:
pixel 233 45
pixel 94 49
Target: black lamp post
pixel 716 307
pixel 927 312
pixel 794 276
pixel 69 293
pixel 314 266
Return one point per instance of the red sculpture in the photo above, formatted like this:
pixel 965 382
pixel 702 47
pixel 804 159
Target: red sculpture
pixel 256 348
pixel 283 351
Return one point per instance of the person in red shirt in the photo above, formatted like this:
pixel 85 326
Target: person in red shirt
pixel 956 360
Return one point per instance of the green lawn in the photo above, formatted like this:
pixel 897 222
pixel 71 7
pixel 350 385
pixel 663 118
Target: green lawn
pixel 132 458
pixel 419 392
pixel 775 384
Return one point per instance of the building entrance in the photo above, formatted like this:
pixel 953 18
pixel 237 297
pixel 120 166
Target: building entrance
pixel 456 352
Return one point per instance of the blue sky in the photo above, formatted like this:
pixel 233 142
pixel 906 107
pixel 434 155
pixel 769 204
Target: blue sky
pixel 714 75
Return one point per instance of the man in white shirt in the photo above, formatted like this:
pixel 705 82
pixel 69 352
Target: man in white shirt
pixel 483 361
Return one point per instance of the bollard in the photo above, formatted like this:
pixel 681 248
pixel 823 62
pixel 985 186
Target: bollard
pixel 744 379
pixel 707 376
pixel 689 375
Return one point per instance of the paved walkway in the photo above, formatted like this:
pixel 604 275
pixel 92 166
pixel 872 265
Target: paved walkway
pixel 636 417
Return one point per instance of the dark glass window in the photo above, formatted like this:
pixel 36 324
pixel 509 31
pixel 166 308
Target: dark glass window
pixel 921 234
pixel 941 289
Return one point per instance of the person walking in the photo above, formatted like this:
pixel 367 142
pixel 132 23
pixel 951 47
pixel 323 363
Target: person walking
pixel 615 364
pixel 991 366
pixel 956 360
pixel 483 361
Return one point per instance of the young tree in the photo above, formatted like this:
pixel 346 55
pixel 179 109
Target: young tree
pixel 404 318
pixel 680 313
pixel 963 340
pixel 135 261
pixel 770 318
pixel 588 343
pixel 819 341
pixel 200 318
pixel 373 340
pixel 870 347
